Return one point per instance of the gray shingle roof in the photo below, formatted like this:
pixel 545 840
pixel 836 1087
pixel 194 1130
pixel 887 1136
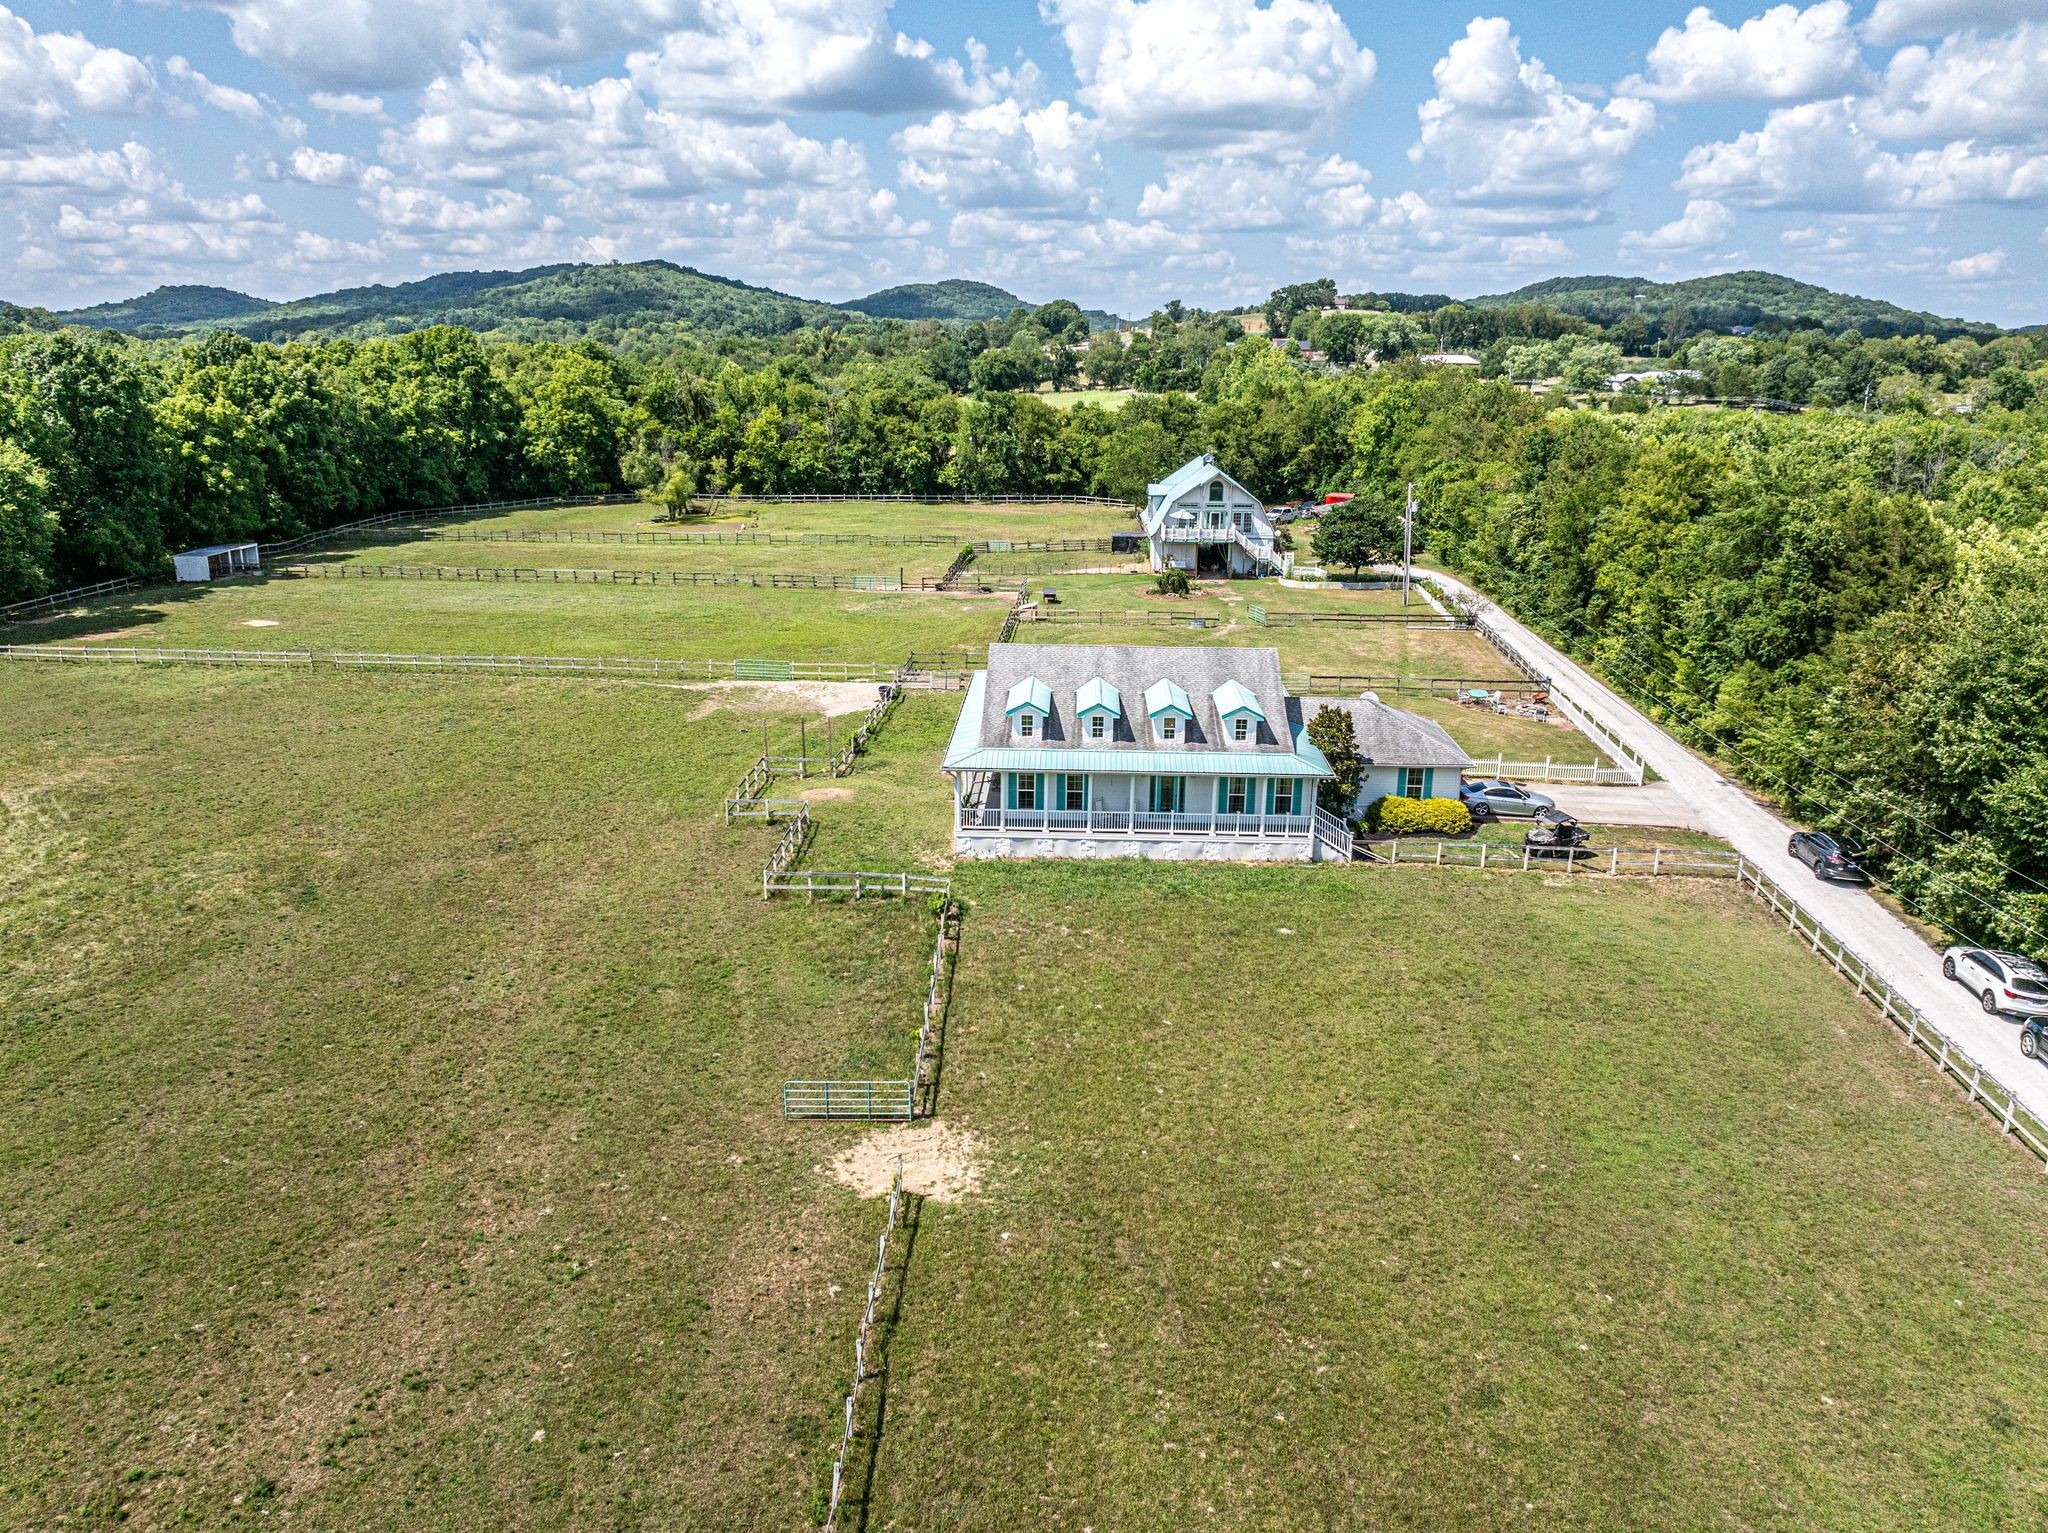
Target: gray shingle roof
pixel 1131 669
pixel 1390 736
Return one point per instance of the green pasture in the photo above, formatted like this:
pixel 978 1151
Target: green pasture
pixel 1333 1199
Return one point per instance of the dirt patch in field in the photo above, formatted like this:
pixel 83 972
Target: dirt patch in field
pixel 830 698
pixel 815 794
pixel 939 1163
pixel 259 622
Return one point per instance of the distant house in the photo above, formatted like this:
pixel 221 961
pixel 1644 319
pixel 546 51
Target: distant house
pixel 1201 520
pixel 1614 383
pixel 1449 359
pixel 1404 753
pixel 1137 750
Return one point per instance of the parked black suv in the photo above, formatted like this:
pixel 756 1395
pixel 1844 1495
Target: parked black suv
pixel 1829 858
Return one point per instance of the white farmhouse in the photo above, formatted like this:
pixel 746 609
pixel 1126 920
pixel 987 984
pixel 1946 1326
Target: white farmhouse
pixel 1201 520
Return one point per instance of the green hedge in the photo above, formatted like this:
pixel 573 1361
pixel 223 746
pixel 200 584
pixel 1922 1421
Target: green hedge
pixel 1400 816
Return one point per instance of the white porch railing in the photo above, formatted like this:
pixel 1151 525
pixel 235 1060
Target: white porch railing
pixel 1124 822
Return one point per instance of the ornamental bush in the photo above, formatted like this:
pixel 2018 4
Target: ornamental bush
pixel 1400 816
pixel 1172 582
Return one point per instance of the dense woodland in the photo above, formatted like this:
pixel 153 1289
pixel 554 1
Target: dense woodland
pixel 1850 603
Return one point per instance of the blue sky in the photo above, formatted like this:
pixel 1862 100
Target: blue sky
pixel 1120 152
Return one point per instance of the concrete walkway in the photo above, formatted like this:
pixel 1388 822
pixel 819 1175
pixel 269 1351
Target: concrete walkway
pixel 1881 939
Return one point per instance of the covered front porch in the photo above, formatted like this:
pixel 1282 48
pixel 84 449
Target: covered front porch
pixel 1098 814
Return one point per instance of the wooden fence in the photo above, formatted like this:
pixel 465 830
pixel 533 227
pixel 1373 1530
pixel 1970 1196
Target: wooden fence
pixel 794 498
pixel 516 574
pixel 469 508
pixel 693 539
pixel 1122 618
pixel 58 600
pixel 1953 1058
pixel 863 1347
pixel 1305 685
pixel 1267 618
pixel 861 885
pixel 520 665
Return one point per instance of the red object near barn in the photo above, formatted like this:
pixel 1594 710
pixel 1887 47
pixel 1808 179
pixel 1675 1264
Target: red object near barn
pixel 1335 500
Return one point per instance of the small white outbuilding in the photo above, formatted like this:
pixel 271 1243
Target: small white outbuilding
pixel 217 562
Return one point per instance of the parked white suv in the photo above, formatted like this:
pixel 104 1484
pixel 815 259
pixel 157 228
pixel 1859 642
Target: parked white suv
pixel 2005 984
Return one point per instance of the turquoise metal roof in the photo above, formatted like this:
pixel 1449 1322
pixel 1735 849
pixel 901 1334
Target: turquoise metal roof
pixel 1029 693
pixel 1164 696
pixel 1307 762
pixel 1235 697
pixel 1096 693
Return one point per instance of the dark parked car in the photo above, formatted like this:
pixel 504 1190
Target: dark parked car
pixel 2032 1044
pixel 1830 859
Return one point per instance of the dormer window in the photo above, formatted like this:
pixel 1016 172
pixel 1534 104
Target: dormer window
pixel 1216 491
pixel 1098 706
pixel 1028 706
pixel 1238 708
pixel 1167 706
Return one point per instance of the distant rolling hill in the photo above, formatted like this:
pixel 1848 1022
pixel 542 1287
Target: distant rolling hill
pixel 957 299
pixel 1733 298
pixel 169 309
pixel 547 301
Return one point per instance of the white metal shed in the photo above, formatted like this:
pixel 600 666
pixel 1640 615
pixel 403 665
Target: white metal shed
pixel 217 562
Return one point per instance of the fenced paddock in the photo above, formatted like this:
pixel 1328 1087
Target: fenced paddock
pixel 1266 617
pixel 1136 617
pixel 1953 1059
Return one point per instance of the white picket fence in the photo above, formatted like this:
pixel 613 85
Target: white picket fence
pixel 1549 769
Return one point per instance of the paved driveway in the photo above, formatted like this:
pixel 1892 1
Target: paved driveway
pixel 1885 942
pixel 1654 803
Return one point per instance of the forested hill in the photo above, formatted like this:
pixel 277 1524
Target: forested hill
pixel 954 299
pixel 548 302
pixel 1733 298
pixel 168 310
pixel 14 319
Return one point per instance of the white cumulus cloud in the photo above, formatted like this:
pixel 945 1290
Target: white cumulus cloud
pixel 43 76
pixel 1703 223
pixel 1031 160
pixel 1213 75
pixel 1969 86
pixel 1509 136
pixel 1785 54
pixel 1985 266
pixel 1893 21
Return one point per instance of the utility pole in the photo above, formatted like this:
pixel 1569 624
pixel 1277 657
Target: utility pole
pixel 1407 541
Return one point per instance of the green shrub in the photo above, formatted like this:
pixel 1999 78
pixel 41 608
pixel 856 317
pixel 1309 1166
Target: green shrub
pixel 1172 583
pixel 1400 816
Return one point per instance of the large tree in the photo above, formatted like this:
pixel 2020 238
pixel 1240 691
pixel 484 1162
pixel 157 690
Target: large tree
pixel 1362 531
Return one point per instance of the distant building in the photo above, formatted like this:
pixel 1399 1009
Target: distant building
pixel 1449 359
pixel 1614 383
pixel 217 562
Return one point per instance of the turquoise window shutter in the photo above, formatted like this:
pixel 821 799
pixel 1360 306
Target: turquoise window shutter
pixel 1059 791
pixel 1010 789
pixel 1038 789
pixel 1222 789
pixel 1269 795
pixel 1428 781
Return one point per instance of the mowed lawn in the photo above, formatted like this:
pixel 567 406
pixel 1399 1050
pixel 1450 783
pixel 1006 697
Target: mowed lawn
pixel 1321 1199
pixel 968 521
pixel 389 1120
pixel 470 617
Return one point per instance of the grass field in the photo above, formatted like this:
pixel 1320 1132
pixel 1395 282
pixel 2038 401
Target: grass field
pixel 1545 1205
pixel 470 618
pixel 1108 399
pixel 969 521
pixel 389 1130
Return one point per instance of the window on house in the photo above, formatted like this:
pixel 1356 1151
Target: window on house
pixel 1411 782
pixel 1098 726
pixel 1027 790
pixel 1169 728
pixel 1244 522
pixel 1168 794
pixel 1027 725
pixel 1076 787
pixel 1216 490
pixel 1283 795
pixel 1240 729
pixel 1237 795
